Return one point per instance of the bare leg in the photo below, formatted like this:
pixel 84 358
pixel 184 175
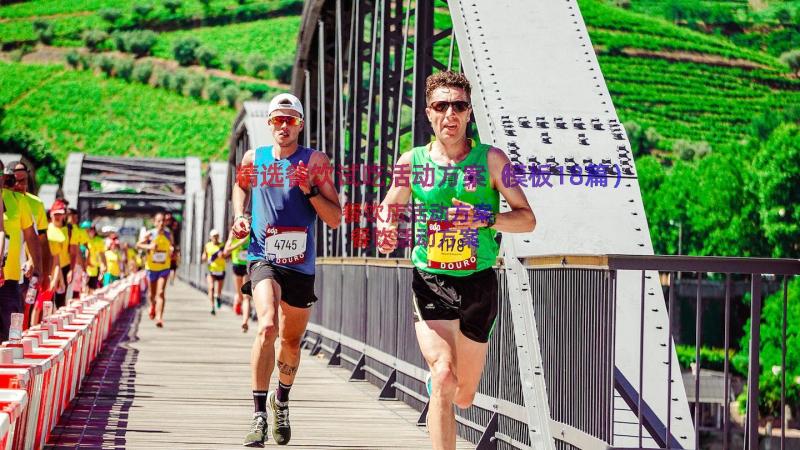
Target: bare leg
pixel 161 286
pixel 292 325
pixel 262 358
pixel 437 339
pixel 238 281
pixel 210 282
pixel 246 300
pixel 471 360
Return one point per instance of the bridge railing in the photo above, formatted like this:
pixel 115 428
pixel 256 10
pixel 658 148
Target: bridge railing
pixel 363 323
pixel 575 301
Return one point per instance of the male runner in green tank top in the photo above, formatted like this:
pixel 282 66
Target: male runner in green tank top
pixel 454 284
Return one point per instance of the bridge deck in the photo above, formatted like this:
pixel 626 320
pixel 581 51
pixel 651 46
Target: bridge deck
pixel 187 386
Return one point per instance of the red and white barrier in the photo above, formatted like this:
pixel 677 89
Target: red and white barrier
pixel 41 373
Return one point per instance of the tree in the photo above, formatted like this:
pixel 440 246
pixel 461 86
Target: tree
pixel 93 39
pixel 770 350
pixel 110 15
pixel 792 59
pixel 124 68
pixel 105 64
pixel 282 69
pixel 215 91
pixel 256 64
pixel 184 50
pixel 206 56
pixel 142 10
pixel 142 72
pixel 231 94
pixel 73 59
pixel 195 87
pixel 173 5
pixel 44 31
pixel 140 42
pixel 179 79
pixel 234 62
pixel 777 167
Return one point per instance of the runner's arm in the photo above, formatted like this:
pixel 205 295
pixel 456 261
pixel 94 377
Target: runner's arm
pixel 241 187
pixel 397 195
pixel 521 218
pixel 327 202
pixel 32 241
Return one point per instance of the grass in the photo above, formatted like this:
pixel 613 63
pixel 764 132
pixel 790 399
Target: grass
pixel 81 112
pixel 273 38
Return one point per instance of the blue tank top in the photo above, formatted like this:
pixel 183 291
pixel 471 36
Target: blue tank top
pixel 284 221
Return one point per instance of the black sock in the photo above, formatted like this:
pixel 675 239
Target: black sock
pixel 282 393
pixel 260 401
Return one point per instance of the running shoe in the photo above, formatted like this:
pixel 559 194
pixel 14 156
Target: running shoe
pixel 219 303
pixel 258 431
pixel 281 430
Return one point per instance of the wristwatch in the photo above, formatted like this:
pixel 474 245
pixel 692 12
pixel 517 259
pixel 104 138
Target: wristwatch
pixel 313 193
pixel 491 220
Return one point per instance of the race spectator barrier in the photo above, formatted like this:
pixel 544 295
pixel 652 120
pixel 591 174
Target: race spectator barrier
pixel 41 373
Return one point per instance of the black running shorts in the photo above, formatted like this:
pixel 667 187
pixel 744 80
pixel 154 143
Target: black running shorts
pixel 472 300
pixel 239 270
pixel 297 289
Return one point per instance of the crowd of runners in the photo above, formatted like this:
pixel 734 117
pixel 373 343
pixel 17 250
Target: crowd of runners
pixel 271 248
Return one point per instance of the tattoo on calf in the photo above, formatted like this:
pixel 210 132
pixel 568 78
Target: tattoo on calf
pixel 286 369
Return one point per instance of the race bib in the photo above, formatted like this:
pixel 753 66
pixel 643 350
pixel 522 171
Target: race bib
pixel 447 248
pixel 159 257
pixel 216 274
pixel 242 255
pixel 286 245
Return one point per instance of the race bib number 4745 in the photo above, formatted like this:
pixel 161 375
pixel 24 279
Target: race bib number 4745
pixel 286 245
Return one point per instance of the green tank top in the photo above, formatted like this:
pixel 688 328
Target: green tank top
pixel 447 253
pixel 239 256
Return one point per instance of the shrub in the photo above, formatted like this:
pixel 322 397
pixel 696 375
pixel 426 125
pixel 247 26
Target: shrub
pixel 206 56
pixel 124 68
pixel 256 90
pixel 43 30
pixel 688 150
pixel 142 72
pixel 94 38
pixel 120 39
pixel 163 79
pixel 195 87
pixel 282 69
pixel 234 62
pixel 86 62
pixel 73 59
pixel 110 15
pixel 140 42
pixel 792 59
pixel 142 10
pixel 256 64
pixel 231 94
pixel 105 64
pixel 184 50
pixel 215 91
pixel 173 5
pixel 178 81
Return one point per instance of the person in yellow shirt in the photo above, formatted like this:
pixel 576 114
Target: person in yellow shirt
pixel 214 254
pixel 81 240
pixel 113 266
pixel 96 249
pixel 21 177
pixel 18 225
pixel 158 244
pixel 61 248
pixel 237 249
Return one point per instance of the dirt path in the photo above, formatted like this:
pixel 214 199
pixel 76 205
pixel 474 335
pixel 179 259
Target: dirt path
pixel 701 58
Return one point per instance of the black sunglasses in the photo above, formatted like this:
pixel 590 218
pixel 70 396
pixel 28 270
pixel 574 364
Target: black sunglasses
pixel 459 106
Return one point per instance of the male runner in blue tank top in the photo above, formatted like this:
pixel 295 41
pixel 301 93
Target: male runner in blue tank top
pixel 285 203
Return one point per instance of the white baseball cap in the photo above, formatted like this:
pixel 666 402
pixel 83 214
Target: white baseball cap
pixel 213 232
pixel 286 101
